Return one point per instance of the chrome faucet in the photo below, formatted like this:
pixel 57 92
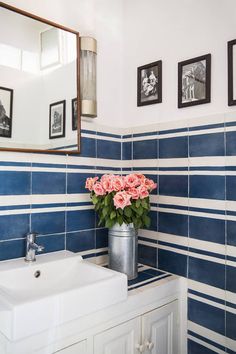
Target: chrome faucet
pixel 32 247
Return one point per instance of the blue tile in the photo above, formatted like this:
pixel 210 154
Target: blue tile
pixel 48 223
pixel 173 185
pixel 80 241
pixel 231 325
pixel 48 183
pixel 142 276
pixel 108 149
pixel 209 187
pixel 207 316
pixel 127 150
pixel 231 279
pixel 207 229
pixel 80 220
pixel 230 143
pixel 14 226
pixel 231 232
pixel 12 249
pixel 196 348
pixel 101 238
pixel 176 224
pixel 153 215
pixel 15 182
pixel 207 272
pixel 147 255
pixel 173 147
pixel 172 262
pixel 88 147
pixel 52 243
pixel 206 145
pixel 145 149
pixel 76 182
pixel 154 272
pixel 231 187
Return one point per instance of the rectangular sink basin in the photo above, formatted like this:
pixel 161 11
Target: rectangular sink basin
pixel 57 288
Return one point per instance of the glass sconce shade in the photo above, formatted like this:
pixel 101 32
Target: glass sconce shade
pixel 88 53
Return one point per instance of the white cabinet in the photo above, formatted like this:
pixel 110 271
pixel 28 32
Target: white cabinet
pixel 160 330
pixel 121 339
pixel 155 332
pixel 78 348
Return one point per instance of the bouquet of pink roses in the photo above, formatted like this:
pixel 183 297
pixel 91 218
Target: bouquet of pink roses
pixel 121 199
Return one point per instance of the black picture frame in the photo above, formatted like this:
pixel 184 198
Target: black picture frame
pixel 194 81
pixel 6 109
pixel 57 119
pixel 74 114
pixel 149 83
pixel 231 59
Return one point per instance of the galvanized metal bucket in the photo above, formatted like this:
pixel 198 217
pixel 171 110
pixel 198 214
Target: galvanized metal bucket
pixel 123 249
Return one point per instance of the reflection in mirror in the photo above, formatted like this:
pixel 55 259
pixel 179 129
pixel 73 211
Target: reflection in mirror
pixel 38 84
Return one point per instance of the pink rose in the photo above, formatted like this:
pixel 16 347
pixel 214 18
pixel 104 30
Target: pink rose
pixel 121 200
pixel 90 183
pixel 143 192
pixel 107 183
pixel 134 193
pixel 118 183
pixel 149 183
pixel 98 189
pixel 132 180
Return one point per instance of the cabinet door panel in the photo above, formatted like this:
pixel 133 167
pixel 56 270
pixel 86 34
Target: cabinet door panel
pixel 159 330
pixel 121 339
pixel 78 348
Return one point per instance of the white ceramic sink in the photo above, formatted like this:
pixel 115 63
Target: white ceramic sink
pixel 68 287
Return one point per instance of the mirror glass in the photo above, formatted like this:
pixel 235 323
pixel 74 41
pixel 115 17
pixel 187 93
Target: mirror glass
pixel 38 84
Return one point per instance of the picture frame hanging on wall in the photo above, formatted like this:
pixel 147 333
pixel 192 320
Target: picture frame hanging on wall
pixel 57 119
pixel 149 83
pixel 6 106
pixel 231 45
pixel 194 81
pixel 74 114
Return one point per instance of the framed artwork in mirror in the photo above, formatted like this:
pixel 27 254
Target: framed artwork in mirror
pixel 57 118
pixel 232 73
pixel 6 104
pixel 36 57
pixel 74 114
pixel 149 83
pixel 194 81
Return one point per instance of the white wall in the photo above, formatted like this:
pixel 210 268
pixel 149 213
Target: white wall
pixel 172 31
pixel 103 20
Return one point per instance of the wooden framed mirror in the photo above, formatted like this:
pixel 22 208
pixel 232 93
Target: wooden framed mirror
pixel 39 84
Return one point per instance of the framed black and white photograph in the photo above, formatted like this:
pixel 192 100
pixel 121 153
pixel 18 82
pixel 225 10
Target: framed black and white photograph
pixel 232 73
pixel 194 81
pixel 57 117
pixel 149 84
pixel 74 114
pixel 6 105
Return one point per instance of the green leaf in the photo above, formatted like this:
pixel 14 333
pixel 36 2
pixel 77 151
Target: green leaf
pixel 138 203
pixel 128 212
pixel 140 211
pixel 120 220
pixel 113 215
pixel 146 220
pixel 105 211
pixel 109 223
pixel 94 199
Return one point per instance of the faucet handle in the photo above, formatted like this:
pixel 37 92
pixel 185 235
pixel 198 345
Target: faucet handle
pixel 31 236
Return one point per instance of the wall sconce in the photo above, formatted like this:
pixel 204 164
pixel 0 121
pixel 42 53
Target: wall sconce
pixel 88 54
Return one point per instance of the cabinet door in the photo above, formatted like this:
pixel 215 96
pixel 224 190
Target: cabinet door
pixel 159 330
pixel 78 348
pixel 122 339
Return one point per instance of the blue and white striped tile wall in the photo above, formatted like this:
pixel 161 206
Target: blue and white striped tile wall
pixel 45 193
pixel 193 232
